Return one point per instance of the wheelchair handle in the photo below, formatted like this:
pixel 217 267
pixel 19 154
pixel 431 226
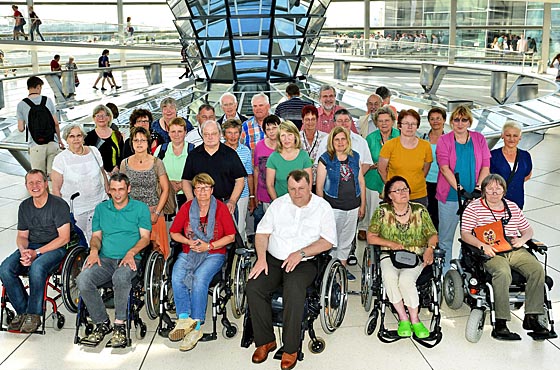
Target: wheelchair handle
pixel 537 246
pixel 75 195
pixel 243 251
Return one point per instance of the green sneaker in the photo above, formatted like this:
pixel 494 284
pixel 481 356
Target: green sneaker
pixel 405 329
pixel 420 330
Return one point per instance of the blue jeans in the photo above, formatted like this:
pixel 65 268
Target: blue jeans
pixel 11 269
pixel 90 279
pixel 448 220
pixel 194 302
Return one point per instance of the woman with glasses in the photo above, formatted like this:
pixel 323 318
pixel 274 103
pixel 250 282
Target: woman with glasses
pixel 490 208
pixel 513 164
pixel 341 182
pixel 399 224
pixel 436 118
pixel 79 169
pixel 148 184
pixel 109 142
pixel 461 152
pixel 310 136
pixel 204 227
pixel 407 156
pixel 160 127
pixel 138 117
pixel 288 157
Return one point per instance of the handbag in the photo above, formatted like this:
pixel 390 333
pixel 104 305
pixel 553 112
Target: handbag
pixel 403 259
pixel 171 203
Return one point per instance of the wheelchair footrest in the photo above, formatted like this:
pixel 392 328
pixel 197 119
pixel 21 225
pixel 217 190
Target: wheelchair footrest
pixel 540 337
pixel 278 354
pixel 208 337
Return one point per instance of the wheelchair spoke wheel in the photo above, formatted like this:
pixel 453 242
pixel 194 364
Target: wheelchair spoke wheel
pixel 239 276
pixel 70 270
pixel 366 288
pixel 334 296
pixel 153 280
pixel 453 292
pixel 475 325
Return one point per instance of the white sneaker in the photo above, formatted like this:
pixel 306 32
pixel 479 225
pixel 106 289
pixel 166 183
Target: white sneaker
pixel 190 340
pixel 182 328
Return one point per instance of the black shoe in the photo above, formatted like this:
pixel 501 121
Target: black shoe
pixel 501 332
pixel 94 87
pixel 117 87
pixel 100 331
pixel 103 89
pixel 531 323
pixel 119 337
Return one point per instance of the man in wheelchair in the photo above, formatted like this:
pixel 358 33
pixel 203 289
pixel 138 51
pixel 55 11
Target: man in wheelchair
pixel 499 229
pixel 121 229
pixel 296 226
pixel 43 228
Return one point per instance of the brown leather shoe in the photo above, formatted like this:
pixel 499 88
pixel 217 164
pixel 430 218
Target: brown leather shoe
pixel 289 360
pixel 362 235
pixel 261 353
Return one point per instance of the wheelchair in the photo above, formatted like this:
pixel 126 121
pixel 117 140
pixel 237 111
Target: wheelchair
pixel 468 282
pixel 429 286
pixel 137 299
pixel 222 289
pixel 61 283
pixel 327 298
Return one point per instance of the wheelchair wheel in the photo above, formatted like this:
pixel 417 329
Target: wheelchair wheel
pixel 239 277
pixel 231 332
pixel 70 270
pixel 334 296
pixel 371 323
pixel 453 289
pixel 366 291
pixel 141 329
pixel 59 321
pixel 475 325
pixel 316 346
pixel 153 279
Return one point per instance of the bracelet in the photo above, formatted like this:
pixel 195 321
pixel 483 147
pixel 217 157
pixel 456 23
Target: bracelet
pixel 157 213
pixel 251 196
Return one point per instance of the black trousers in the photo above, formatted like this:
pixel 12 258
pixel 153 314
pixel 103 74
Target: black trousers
pixel 259 293
pixel 433 203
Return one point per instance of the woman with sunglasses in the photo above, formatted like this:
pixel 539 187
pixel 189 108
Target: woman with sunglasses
pixel 490 208
pixel 461 152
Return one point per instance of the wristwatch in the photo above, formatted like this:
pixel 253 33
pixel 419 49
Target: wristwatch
pixel 38 253
pixel 302 253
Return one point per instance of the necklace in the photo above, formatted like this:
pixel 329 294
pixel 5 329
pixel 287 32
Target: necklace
pixel 403 214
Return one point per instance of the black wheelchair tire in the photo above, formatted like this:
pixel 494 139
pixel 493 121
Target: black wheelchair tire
pixel 453 292
pixel 71 268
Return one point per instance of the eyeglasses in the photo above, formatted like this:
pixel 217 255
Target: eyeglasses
pixel 203 188
pixel 101 116
pixel 462 120
pixel 398 191
pixel 494 192
pixel 78 136
pixel 142 121
pixel 139 141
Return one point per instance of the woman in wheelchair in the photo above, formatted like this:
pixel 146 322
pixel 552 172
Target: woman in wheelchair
pixel 502 216
pixel 205 227
pixel 399 225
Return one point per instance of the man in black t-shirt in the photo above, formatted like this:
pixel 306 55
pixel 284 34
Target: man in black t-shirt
pixel 43 228
pixel 220 162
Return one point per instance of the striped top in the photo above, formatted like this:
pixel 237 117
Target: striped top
pixel 478 214
pixel 244 154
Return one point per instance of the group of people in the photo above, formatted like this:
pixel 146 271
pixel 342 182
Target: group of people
pixel 19 22
pixel 310 188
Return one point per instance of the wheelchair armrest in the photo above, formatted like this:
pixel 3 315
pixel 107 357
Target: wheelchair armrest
pixel 475 250
pixel 243 250
pixel 537 246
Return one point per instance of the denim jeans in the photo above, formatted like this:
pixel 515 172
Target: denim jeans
pixel 258 213
pixel 194 302
pixel 90 279
pixel 448 220
pixel 11 269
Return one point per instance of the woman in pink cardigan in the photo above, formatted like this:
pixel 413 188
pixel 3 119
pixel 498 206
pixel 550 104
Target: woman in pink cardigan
pixel 464 152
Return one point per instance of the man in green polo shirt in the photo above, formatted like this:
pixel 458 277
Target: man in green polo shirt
pixel 121 229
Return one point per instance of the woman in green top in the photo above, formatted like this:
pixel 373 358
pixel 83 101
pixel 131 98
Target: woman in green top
pixel 396 225
pixel 384 118
pixel 287 157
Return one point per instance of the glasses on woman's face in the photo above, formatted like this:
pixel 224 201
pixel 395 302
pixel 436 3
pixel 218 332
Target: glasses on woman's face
pixel 77 136
pixel 139 141
pixel 101 116
pixel 498 191
pixel 202 188
pixel 409 124
pixel 462 120
pixel 399 191
pixel 143 120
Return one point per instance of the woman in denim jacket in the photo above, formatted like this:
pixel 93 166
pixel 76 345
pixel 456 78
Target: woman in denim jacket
pixel 341 182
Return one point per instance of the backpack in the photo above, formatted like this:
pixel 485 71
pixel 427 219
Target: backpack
pixel 40 122
pixel 162 151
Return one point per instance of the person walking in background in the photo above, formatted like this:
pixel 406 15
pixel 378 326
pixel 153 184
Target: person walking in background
pixel 103 62
pixel 129 27
pixel 35 23
pixel 556 64
pixel 19 23
pixel 71 66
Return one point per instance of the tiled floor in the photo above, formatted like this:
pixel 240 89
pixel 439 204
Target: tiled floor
pixel 348 347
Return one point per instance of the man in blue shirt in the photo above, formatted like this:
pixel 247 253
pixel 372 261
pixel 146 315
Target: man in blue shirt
pixel 121 229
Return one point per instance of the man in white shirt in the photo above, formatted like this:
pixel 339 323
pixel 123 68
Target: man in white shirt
pixel 296 226
pixel 194 137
